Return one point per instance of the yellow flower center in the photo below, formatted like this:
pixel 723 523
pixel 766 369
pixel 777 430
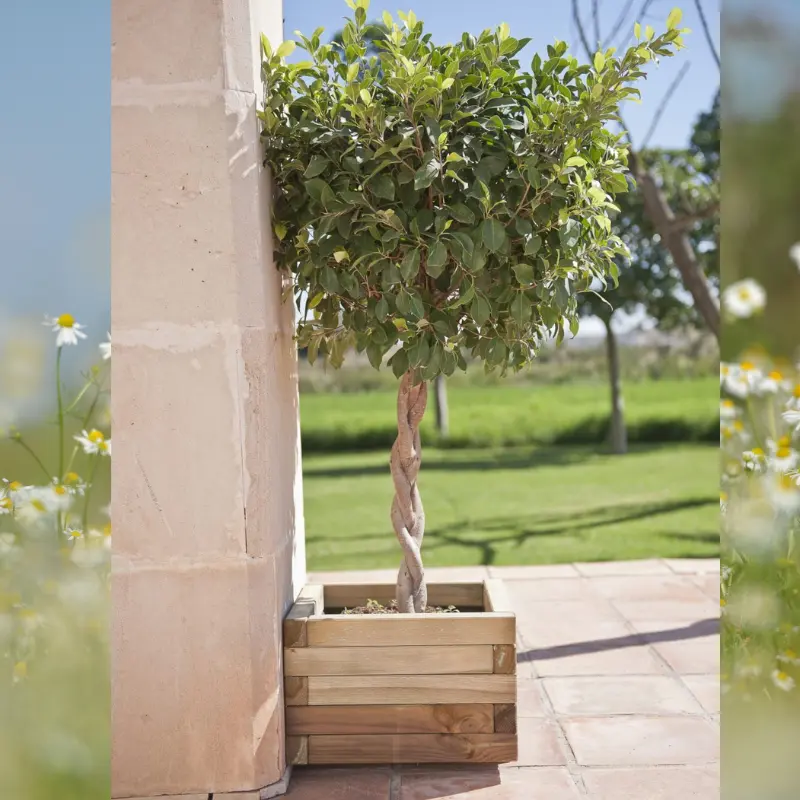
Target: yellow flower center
pixel 746 366
pixel 784 441
pixel 723 601
pixel 796 391
pixel 6 503
pixel 757 451
pixel 725 369
pixel 20 669
pixel 783 452
pixel 775 375
pixel 727 403
pixel 96 437
pixel 66 321
pixel 727 432
pixel 72 477
pixel 786 482
pixel 781 676
pixel 723 496
pixel 790 654
pixel 59 489
pixel 107 529
pixel 38 505
pixel 744 293
pixel 14 486
pixel 738 425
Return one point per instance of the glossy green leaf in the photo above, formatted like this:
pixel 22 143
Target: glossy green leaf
pixel 493 234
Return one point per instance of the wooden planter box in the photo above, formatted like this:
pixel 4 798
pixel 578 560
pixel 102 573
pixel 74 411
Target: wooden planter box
pixel 396 688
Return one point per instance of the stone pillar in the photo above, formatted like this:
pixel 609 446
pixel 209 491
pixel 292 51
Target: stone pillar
pixel 207 499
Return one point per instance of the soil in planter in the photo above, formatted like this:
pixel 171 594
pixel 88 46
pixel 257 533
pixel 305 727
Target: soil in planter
pixel 374 607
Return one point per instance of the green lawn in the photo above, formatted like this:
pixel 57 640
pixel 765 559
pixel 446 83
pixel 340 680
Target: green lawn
pixel 575 413
pixel 518 506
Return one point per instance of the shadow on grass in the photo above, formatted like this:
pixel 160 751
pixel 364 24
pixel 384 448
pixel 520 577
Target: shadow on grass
pixel 521 529
pixel 523 457
pixel 695 630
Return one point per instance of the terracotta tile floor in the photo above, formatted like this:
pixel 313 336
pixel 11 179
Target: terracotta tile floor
pixel 618 691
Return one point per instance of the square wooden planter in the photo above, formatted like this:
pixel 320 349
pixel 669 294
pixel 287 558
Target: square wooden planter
pixel 397 688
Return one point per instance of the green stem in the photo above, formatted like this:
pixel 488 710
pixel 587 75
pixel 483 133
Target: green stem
pixel 60 417
pixel 25 446
pixel 88 493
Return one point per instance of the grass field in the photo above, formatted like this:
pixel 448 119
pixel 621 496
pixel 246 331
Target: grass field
pixel 575 413
pixel 518 506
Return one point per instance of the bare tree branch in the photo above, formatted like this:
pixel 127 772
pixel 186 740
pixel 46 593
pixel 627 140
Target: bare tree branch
pixel 638 18
pixel 596 17
pixel 576 15
pixel 709 38
pixel 623 15
pixel 686 221
pixel 664 103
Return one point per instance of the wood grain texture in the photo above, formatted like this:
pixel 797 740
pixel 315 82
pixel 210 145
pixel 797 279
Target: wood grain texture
pixel 295 691
pixel 476 748
pixel 297 749
pixel 453 718
pixel 405 660
pixel 404 629
pixel 311 601
pixel 410 690
pixel 504 659
pixel 505 718
pixel 496 597
pixel 460 595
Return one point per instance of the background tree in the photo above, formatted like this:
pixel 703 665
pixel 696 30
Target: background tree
pixel 648 278
pixel 673 227
pixel 443 199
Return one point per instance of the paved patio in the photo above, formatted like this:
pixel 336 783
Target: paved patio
pixel 618 690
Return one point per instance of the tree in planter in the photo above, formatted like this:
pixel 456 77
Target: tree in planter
pixel 440 201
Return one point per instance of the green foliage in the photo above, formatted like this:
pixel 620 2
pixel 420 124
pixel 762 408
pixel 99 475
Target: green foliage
pixel 440 196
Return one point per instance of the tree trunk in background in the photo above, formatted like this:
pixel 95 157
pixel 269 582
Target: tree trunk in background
pixel 619 434
pixel 677 242
pixel 442 416
pixel 408 516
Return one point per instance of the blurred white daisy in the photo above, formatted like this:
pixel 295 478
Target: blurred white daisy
pixel 105 348
pixel 94 442
pixel 783 492
pixel 68 331
pixel 782 680
pixel 754 459
pixel 37 506
pixel 73 534
pixel 727 410
pixel 742 379
pixel 60 496
pixel 772 383
pixel 6 503
pixel 794 254
pixel 744 298
pixel 782 457
pixel 789 657
pixel 74 484
pixel 792 417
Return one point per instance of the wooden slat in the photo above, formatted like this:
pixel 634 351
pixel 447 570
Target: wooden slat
pixel 410 690
pixel 310 601
pixel 505 718
pixel 296 691
pixel 454 718
pixel 420 748
pixel 505 659
pixel 410 629
pixel 496 597
pixel 434 660
pixel 297 749
pixel 460 595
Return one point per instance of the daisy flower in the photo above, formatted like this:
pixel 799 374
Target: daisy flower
pixel 754 459
pixel 727 410
pixel 105 348
pixel 94 442
pixel 68 331
pixel 772 383
pixel 784 493
pixel 73 534
pixel 15 490
pixel 37 507
pixel 742 380
pixel 782 458
pixel 723 502
pixel 744 298
pixel 789 657
pixel 782 680
pixel 61 497
pixel 792 417
pixel 6 503
pixel 794 254
pixel 74 484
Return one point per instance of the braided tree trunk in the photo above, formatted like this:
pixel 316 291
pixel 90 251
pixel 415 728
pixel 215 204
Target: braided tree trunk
pixel 408 517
